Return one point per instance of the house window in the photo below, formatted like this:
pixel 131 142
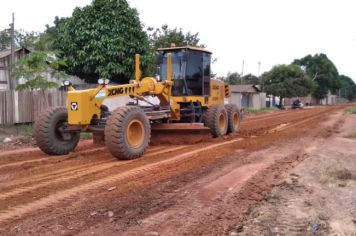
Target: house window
pixel 3 72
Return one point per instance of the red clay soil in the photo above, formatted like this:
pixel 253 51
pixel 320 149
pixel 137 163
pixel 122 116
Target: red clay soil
pixel 192 185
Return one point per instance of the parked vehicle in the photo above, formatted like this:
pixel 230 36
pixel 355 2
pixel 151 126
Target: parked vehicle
pixel 297 104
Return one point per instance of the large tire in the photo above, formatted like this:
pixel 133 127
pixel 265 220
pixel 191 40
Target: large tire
pixel 49 135
pixel 127 133
pixel 233 117
pixel 215 118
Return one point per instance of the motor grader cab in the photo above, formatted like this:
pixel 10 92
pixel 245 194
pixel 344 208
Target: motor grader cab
pixel 187 95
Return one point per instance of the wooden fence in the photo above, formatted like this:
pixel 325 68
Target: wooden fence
pixel 24 106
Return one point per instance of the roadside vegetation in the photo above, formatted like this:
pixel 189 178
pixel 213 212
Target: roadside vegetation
pixel 352 110
pixel 21 129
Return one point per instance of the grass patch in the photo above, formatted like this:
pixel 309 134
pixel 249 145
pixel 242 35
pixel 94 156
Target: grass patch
pixel 86 135
pixel 24 129
pixel 352 110
pixel 17 130
pixel 265 109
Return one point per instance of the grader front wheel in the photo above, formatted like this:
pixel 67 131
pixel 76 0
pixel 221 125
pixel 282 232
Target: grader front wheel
pixel 127 133
pixel 50 135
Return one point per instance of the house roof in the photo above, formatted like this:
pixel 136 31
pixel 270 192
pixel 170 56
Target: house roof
pixel 7 52
pixel 245 88
pixel 186 48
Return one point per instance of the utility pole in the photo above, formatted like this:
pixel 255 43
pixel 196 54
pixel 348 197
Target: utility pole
pixel 242 70
pixel 12 61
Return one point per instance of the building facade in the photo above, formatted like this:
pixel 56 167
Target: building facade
pixel 247 96
pixel 5 62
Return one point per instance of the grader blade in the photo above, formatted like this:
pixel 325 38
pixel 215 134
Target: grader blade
pixel 179 133
pixel 181 128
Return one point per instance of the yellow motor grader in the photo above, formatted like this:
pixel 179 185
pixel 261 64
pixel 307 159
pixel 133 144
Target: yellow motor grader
pixel 188 99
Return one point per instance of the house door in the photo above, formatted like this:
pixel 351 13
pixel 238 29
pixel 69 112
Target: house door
pixel 245 100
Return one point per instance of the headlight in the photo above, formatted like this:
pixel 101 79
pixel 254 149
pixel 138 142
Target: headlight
pixel 101 81
pixel 66 83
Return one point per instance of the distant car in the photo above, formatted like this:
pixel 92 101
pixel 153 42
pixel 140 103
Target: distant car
pixel 297 104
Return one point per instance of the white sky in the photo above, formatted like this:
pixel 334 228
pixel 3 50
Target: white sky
pixel 273 32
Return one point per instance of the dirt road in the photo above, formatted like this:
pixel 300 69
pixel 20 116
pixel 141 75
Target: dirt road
pixel 183 185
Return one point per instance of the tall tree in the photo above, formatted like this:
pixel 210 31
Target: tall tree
pixel 320 68
pixel 34 69
pixel 101 40
pixel 5 39
pixel 164 37
pixel 348 88
pixel 250 79
pixel 22 39
pixel 233 78
pixel 287 81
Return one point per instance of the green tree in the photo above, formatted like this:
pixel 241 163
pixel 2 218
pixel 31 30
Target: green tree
pixel 323 71
pixel 22 39
pixel 5 39
pixel 163 37
pixel 287 81
pixel 348 88
pixel 34 67
pixel 101 40
pixel 45 40
pixel 233 78
pixel 250 79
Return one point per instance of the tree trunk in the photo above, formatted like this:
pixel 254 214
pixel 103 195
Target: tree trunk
pixel 281 101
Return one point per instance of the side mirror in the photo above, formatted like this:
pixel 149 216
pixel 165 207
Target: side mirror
pixel 157 74
pixel 158 70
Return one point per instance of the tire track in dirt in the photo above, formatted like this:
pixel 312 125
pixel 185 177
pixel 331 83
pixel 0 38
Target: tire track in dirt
pixel 276 115
pixel 34 153
pixel 64 176
pixel 52 174
pixel 18 211
pixel 53 159
pixel 19 151
pixel 294 122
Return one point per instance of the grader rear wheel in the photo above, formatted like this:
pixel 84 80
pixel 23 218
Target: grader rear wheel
pixel 49 132
pixel 234 118
pixel 216 119
pixel 127 133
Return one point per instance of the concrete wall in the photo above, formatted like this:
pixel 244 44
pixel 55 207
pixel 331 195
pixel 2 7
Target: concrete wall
pixel 258 100
pixel 248 100
pixel 236 98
